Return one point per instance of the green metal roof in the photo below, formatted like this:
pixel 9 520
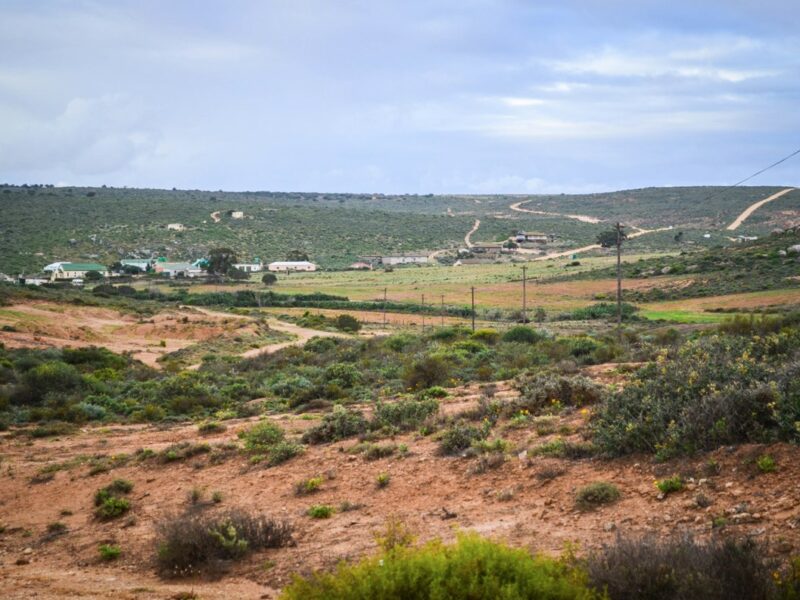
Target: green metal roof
pixel 83 267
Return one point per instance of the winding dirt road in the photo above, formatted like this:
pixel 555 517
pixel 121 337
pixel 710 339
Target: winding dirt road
pixel 639 232
pixel 467 238
pixel 517 206
pixel 754 207
pixel 302 334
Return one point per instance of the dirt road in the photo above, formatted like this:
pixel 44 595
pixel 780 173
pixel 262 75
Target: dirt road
pixel 754 207
pixel 584 218
pixel 639 232
pixel 467 238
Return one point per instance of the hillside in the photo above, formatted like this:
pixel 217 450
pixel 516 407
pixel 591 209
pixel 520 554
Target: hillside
pixel 44 224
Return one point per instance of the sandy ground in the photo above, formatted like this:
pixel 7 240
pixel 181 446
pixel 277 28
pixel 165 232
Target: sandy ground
pixel 511 503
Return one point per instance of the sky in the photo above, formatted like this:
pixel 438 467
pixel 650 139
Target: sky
pixel 406 96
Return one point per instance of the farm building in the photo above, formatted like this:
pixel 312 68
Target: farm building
pixel 286 266
pixel 533 237
pixel 176 227
pixel 487 249
pixel 70 270
pixel 178 269
pixel 250 267
pixel 143 264
pixel 237 214
pixel 404 259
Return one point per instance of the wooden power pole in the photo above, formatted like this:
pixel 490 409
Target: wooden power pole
pixel 473 309
pixel 524 294
pixel 618 228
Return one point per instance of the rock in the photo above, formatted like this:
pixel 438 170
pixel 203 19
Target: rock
pixel 666 270
pixel 781 252
pixel 661 496
pixel 28 550
pixel 794 249
pixel 23 561
pixel 610 526
pixel 784 547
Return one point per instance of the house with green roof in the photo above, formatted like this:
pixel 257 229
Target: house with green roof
pixel 74 270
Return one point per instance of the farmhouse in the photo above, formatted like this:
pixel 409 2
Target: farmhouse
pixel 251 267
pixel 143 264
pixel 237 214
pixel 70 270
pixel 176 227
pixel 291 265
pixel 533 237
pixel 405 259
pixel 488 249
pixel 178 269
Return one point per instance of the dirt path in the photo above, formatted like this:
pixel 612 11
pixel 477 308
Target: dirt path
pixel 302 334
pixel 215 216
pixel 639 232
pixel 754 207
pixel 583 218
pixel 467 238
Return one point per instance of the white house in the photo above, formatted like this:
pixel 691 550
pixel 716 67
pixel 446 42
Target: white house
pixel 237 214
pixel 250 267
pixel 70 270
pixel 176 227
pixel 405 259
pixel 532 236
pixel 291 265
pixel 178 269
pixel 143 264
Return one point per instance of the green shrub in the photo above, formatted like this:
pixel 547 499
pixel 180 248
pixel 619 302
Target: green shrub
pixel 308 486
pixel 713 391
pixel 541 392
pixel 766 464
pixel 181 451
pixel 112 507
pixel 426 372
pixel 470 569
pixel 459 436
pixel 109 552
pixel 197 541
pixel 283 451
pixel 523 335
pixel 336 425
pixel 670 484
pixel 320 511
pixel 596 494
pixel 261 436
pixel 404 414
pixel 211 427
pixel 348 323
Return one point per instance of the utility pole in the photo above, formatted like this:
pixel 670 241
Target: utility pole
pixel 618 228
pixel 423 313
pixel 524 294
pixel 473 309
pixel 442 310
pixel 384 308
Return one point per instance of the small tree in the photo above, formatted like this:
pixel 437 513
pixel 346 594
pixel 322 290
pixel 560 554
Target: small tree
pixel 93 276
pixel 269 278
pixel 238 274
pixel 221 260
pixel 610 239
pixel 347 323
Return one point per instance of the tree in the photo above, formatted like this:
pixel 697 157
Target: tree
pixel 235 273
pixel 269 278
pixel 610 239
pixel 93 276
pixel 345 322
pixel 296 255
pixel 221 260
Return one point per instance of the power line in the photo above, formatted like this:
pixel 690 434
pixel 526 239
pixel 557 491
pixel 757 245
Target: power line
pixel 757 173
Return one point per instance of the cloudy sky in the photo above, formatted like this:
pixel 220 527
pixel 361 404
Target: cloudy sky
pixel 412 96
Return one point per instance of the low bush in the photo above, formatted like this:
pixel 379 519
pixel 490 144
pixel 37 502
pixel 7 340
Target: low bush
pixel 211 427
pixel 383 480
pixel 670 484
pixel 523 335
pixel 308 486
pixel 196 542
pixel 109 552
pixel 596 494
pixel 681 568
pixel 459 436
pixel 320 511
pixel 544 392
pixel 404 414
pixel 107 500
pixel 470 569
pixel 766 464
pixel 337 425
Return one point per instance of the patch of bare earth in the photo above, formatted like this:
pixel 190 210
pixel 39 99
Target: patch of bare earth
pixel 527 501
